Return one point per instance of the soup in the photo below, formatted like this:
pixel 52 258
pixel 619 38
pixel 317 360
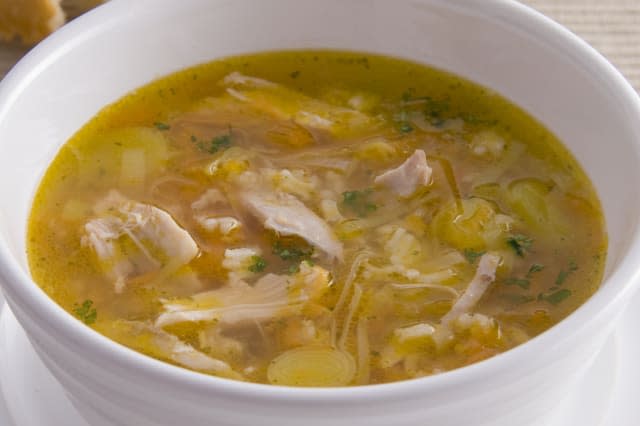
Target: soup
pixel 316 218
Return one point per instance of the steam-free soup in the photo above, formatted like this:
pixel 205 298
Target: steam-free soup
pixel 316 218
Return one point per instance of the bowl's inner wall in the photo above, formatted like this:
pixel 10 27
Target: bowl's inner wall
pixel 62 92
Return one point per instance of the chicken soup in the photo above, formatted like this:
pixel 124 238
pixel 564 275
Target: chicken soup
pixel 316 218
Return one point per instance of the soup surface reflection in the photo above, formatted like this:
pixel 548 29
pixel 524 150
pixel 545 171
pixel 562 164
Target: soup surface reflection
pixel 316 218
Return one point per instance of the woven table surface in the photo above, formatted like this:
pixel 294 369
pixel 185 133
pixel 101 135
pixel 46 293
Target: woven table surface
pixel 611 26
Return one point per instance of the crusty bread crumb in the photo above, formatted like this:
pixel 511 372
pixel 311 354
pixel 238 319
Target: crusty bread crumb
pixel 32 20
pixel 29 20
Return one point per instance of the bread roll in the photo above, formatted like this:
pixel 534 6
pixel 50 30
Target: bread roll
pixel 32 20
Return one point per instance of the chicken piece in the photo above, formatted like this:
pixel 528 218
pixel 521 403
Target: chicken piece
pixel 312 280
pixel 405 179
pixel 131 239
pixel 207 209
pixel 485 275
pixel 225 225
pixel 414 332
pixel 459 318
pixel 488 144
pixel 212 340
pixel 468 321
pixel 159 343
pixel 238 261
pixel 287 104
pixel 235 303
pixel 286 215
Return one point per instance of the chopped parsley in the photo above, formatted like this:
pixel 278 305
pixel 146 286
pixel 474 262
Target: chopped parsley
pixel 86 312
pixel 556 297
pixel 525 282
pixel 435 108
pixel 293 268
pixel 536 267
pixel 161 126
pixel 517 299
pixel 289 253
pixel 520 282
pixel 520 244
pixel 293 255
pixel 402 120
pixel 563 274
pixel 217 143
pixel 358 202
pixel 472 255
pixel 405 127
pixel 258 264
pixel 294 74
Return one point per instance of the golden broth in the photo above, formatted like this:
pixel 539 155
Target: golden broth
pixel 316 218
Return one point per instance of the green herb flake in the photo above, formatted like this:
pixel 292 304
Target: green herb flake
pixel 358 202
pixel 293 268
pixel 472 255
pixel 258 264
pixel 517 299
pixel 520 282
pixel 435 108
pixel 405 127
pixel 563 274
pixel 556 297
pixel 294 74
pixel 86 312
pixel 216 144
pixel 536 267
pixel 161 126
pixel 294 254
pixel 350 197
pixel 520 244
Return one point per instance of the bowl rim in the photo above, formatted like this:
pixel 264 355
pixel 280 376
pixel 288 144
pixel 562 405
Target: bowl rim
pixel 23 293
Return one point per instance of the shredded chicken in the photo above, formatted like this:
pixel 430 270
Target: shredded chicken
pixel 287 104
pixel 207 213
pixel 485 275
pixel 460 315
pixel 225 225
pixel 171 347
pixel 239 260
pixel 405 179
pixel 416 331
pixel 287 215
pixel 467 321
pixel 235 303
pixel 131 238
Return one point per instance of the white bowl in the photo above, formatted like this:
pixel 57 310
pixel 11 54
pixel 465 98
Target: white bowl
pixel 500 44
